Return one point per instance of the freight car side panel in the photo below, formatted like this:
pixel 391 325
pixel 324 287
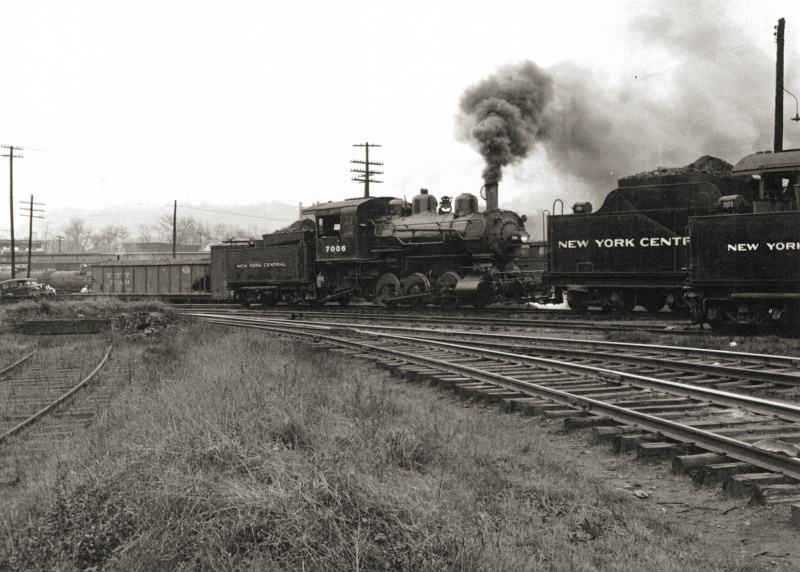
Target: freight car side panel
pixel 151 279
pixel 758 252
pixel 626 249
pixel 275 265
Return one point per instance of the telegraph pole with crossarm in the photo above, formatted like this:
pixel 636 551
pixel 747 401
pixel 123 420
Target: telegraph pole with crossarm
pixel 29 212
pixel 11 156
pixel 366 173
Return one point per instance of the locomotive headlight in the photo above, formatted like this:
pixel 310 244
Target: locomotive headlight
pixel 524 238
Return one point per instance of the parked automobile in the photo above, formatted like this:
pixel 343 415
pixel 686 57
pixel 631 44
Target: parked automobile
pixel 22 288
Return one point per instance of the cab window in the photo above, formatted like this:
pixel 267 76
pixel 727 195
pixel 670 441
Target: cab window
pixel 329 225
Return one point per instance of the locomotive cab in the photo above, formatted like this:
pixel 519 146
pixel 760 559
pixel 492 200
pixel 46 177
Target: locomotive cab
pixel 344 228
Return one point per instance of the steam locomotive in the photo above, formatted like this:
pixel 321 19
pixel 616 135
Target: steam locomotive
pixel 383 249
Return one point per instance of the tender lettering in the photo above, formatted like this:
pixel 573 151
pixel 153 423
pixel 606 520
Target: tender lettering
pixel 743 247
pixel 664 241
pixel 783 245
pixel 573 244
pixel 646 242
pixel 261 265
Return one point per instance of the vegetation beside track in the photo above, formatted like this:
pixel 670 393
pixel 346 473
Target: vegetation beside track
pixel 233 451
pixel 125 317
pixel 764 344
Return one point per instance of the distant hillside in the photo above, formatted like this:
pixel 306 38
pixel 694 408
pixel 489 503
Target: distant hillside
pixel 255 219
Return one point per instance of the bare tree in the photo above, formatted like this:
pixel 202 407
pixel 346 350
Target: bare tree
pixel 187 230
pixel 77 236
pixel 110 237
pixel 144 233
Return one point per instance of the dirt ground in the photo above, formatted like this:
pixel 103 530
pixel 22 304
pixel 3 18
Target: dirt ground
pixel 766 532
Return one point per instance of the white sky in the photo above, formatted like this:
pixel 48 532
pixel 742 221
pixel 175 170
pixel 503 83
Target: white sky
pixel 243 102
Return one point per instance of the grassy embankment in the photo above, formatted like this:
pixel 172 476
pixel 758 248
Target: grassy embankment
pixel 235 451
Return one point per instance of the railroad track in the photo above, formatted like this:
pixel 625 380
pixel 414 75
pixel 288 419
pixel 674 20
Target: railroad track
pixel 747 442
pixel 46 397
pixel 714 368
pixel 600 321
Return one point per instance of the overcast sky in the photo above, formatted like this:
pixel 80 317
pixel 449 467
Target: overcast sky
pixel 244 102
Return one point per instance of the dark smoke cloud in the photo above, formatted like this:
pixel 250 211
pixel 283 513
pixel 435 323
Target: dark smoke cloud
pixel 718 102
pixel 503 115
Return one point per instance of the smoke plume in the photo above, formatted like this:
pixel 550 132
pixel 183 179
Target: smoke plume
pixel 504 114
pixel 717 101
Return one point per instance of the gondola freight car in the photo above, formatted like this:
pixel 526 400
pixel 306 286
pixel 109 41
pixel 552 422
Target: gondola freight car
pixel 185 280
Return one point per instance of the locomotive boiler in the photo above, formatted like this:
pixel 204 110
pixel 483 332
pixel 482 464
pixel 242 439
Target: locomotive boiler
pixel 451 252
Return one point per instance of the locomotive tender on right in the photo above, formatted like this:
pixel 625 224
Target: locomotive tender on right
pixel 634 249
pixel 744 265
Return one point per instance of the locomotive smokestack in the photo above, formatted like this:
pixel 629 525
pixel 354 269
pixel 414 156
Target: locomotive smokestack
pixel 491 196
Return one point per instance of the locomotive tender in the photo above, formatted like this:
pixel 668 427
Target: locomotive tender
pixel 387 250
pixel 634 249
pixel 744 266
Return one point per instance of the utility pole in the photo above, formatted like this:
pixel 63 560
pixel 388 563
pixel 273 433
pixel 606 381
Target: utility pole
pixel 29 212
pixel 778 146
pixel 174 229
pixel 11 157
pixel 59 238
pixel 366 173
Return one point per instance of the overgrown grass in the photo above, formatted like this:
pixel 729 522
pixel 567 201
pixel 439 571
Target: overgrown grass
pixel 242 452
pixel 73 308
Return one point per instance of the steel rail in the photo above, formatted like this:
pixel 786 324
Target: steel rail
pixel 16 363
pixel 45 410
pixel 782 378
pixel 710 441
pixel 764 406
pixel 533 322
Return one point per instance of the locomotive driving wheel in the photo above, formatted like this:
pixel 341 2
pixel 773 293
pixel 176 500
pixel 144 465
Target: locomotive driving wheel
pixel 388 287
pixel 415 284
pixel 446 285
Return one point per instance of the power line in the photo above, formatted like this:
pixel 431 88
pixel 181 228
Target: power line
pixel 220 212
pixel 701 57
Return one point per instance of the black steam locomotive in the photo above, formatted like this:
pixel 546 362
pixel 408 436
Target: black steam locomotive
pixel 387 250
